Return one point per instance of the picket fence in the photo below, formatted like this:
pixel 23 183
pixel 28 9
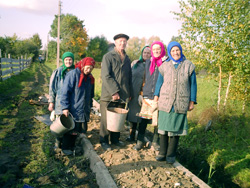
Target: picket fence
pixel 10 67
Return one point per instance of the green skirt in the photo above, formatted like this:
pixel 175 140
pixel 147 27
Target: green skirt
pixel 172 123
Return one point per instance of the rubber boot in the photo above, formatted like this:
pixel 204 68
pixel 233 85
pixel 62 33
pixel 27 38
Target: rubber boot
pixel 131 137
pixel 139 145
pixel 155 142
pixel 140 142
pixel 132 132
pixel 163 148
pixel 85 127
pixel 105 143
pixel 172 148
pixel 58 143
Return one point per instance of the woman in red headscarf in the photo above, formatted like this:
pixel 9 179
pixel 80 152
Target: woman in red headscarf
pixel 77 94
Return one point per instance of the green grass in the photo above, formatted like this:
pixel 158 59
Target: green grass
pixel 219 156
pixel 98 86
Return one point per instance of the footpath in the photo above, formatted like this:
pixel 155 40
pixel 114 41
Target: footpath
pixel 112 167
pixel 128 168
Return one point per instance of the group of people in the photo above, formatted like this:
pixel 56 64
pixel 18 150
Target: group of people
pixel 159 89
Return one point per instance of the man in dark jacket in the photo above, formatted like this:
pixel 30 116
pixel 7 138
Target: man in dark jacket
pixel 116 77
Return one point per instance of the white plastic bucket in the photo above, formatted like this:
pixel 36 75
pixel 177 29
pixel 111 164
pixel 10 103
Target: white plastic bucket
pixel 62 125
pixel 116 118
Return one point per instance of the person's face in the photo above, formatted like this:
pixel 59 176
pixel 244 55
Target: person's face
pixel 156 50
pixel 68 61
pixel 121 44
pixel 175 53
pixel 87 69
pixel 146 54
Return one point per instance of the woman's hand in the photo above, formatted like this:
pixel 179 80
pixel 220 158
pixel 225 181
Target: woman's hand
pixel 51 107
pixel 154 106
pixel 156 98
pixel 191 106
pixel 140 100
pixel 66 112
pixel 164 58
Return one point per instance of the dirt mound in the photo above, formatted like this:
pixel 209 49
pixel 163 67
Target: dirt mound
pixel 131 168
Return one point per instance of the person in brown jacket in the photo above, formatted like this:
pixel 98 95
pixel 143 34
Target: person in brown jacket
pixel 117 88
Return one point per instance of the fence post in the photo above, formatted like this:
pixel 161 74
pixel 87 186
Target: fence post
pixel 19 61
pixel 26 60
pixel 1 65
pixel 22 62
pixel 11 66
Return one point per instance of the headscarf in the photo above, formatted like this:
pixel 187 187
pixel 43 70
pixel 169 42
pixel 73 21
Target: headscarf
pixel 67 54
pixel 170 46
pixel 84 62
pixel 156 60
pixel 141 57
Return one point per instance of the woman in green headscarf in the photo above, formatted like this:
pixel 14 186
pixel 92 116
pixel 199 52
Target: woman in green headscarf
pixel 55 86
pixel 138 69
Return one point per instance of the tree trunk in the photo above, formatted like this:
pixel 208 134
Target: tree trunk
pixel 219 90
pixel 227 92
pixel 244 101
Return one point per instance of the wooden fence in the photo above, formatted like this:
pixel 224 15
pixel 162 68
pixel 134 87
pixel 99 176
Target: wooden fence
pixel 10 67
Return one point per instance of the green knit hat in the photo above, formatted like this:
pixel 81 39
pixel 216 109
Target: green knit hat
pixel 67 54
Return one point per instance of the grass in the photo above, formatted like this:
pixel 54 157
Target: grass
pixel 98 86
pixel 219 156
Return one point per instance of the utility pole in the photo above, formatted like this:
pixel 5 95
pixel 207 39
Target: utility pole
pixel 47 49
pixel 58 34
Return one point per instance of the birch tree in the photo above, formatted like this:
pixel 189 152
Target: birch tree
pixel 216 36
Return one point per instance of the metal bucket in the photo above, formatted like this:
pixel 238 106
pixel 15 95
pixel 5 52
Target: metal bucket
pixel 62 125
pixel 116 118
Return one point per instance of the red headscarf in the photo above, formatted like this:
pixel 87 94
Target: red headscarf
pixel 85 61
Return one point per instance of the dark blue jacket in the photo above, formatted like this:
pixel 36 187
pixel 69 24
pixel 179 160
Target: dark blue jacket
pixel 150 81
pixel 78 100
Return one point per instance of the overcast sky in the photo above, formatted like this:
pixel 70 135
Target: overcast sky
pixel 136 18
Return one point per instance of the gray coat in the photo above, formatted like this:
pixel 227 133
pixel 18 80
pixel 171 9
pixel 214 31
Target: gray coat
pixel 116 76
pixel 55 87
pixel 137 81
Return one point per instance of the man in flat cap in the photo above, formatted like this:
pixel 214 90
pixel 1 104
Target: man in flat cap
pixel 116 77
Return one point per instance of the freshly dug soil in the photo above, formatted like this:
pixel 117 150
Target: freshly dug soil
pixel 131 168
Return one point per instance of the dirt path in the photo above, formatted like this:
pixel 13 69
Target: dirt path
pixel 131 168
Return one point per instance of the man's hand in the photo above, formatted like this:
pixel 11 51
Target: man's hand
pixel 115 97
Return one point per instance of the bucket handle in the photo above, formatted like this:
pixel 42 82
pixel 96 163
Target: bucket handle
pixel 126 102
pixel 70 115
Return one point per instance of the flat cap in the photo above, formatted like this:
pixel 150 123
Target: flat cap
pixel 121 35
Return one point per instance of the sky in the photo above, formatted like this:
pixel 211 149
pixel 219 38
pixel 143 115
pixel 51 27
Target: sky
pixel 136 18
